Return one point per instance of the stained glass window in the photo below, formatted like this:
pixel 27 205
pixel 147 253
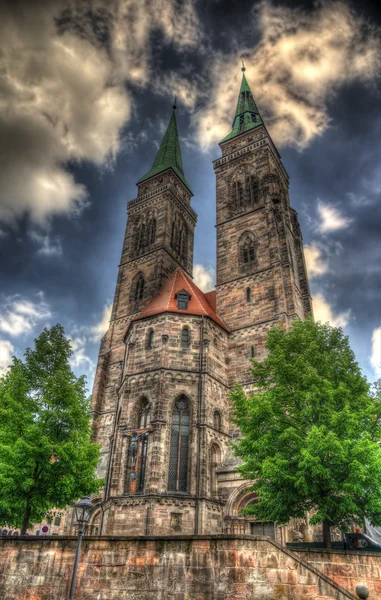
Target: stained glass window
pixel 178 456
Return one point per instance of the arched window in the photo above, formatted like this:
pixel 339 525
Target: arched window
pixel 247 249
pixel 215 460
pixel 185 337
pixel 252 351
pixel 152 233
pixel 217 420
pixel 150 335
pixel 248 294
pixel 138 289
pixel 144 416
pixel 178 456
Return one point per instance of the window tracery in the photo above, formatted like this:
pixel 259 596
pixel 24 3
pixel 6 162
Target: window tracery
pixel 144 416
pixel 244 192
pixel 178 457
pixel 179 237
pixel 138 286
pixel 247 249
pixel 145 235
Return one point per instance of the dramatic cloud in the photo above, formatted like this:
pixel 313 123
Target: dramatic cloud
pixel 19 315
pixel 65 66
pixel 375 358
pixel 315 263
pixel 302 59
pixel 324 312
pixel 97 331
pixel 204 278
pixel 331 218
pixel 6 351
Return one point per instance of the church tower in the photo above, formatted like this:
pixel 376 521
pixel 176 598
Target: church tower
pixel 261 273
pixel 158 239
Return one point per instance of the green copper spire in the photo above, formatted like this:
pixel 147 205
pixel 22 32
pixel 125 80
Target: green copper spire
pixel 169 154
pixel 247 115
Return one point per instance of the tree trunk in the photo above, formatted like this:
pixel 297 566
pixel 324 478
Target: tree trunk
pixel 25 522
pixel 327 534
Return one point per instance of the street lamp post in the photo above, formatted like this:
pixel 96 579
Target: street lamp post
pixel 83 510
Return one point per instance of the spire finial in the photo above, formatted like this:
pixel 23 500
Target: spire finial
pixel 243 67
pixel 174 104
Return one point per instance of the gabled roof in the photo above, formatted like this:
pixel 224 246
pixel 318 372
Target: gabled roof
pixel 165 299
pixel 169 155
pixel 247 115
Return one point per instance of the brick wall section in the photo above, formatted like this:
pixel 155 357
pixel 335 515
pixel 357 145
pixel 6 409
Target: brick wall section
pixel 182 568
pixel 348 569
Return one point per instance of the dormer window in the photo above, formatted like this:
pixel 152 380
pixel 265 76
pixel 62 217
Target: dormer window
pixel 182 300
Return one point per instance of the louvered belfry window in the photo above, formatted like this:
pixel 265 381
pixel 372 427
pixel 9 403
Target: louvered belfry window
pixel 178 456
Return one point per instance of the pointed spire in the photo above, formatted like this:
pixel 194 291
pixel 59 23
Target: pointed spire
pixel 169 154
pixel 247 115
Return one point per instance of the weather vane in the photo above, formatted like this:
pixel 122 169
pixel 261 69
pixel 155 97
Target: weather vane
pixel 174 104
pixel 243 67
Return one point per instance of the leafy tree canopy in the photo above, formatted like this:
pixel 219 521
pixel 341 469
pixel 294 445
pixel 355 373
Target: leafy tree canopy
pixel 47 458
pixel 310 430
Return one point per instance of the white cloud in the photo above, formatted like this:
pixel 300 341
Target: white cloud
pixel 97 331
pixel 204 278
pixel 331 218
pixel 301 61
pixel 19 315
pixel 79 358
pixel 6 350
pixel 315 263
pixel 375 358
pixel 63 95
pixel 323 312
pixel 47 245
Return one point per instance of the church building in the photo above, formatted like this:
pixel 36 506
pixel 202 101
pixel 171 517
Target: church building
pixel 172 353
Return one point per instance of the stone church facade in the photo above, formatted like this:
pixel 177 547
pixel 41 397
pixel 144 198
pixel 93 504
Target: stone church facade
pixel 161 409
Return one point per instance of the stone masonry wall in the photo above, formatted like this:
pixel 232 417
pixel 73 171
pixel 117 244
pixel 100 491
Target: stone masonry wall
pixel 348 568
pixel 159 568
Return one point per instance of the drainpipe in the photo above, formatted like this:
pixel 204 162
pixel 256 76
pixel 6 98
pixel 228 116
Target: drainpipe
pixel 199 405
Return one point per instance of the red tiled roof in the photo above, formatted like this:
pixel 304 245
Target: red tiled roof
pixel 212 299
pixel 165 300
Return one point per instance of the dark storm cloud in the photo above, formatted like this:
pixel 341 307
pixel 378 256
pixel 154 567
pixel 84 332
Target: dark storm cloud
pixel 86 91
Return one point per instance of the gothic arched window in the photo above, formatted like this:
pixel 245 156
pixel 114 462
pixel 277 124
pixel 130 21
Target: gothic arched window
pixel 138 287
pixel 217 420
pixel 144 416
pixel 253 190
pixel 150 335
pixel 178 456
pixel 185 337
pixel 247 254
pixel 248 294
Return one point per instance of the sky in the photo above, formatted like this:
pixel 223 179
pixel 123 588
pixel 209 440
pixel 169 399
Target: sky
pixel 86 90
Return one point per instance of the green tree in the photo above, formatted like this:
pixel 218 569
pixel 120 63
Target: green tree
pixel 310 431
pixel 47 458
